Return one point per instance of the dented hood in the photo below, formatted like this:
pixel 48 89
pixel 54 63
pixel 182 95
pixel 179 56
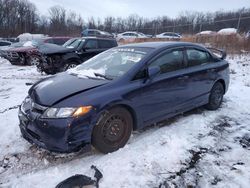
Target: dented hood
pixel 56 88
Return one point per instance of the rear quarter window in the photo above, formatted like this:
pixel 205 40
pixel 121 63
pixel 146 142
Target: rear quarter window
pixel 105 44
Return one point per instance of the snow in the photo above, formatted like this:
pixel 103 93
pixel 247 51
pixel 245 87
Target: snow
pixel 227 31
pixel 28 44
pixel 200 148
pixel 29 36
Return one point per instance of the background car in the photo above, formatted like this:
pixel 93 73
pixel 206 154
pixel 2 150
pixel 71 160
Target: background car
pixel 169 35
pixel 5 43
pixel 72 53
pixel 96 33
pixel 28 53
pixel 122 37
pixel 122 89
pixel 4 49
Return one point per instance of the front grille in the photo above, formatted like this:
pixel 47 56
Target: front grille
pixel 13 55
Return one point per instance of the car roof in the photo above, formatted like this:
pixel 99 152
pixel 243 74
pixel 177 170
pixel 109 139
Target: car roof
pixel 158 45
pixel 98 38
pixel 63 37
pixel 130 32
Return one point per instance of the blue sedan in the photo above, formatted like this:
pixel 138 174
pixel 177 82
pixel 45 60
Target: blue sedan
pixel 126 88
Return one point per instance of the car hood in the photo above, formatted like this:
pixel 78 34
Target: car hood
pixel 22 49
pixel 51 90
pixel 53 49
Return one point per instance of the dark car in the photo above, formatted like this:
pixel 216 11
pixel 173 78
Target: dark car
pixel 126 88
pixel 74 52
pixel 4 43
pixel 96 33
pixel 28 53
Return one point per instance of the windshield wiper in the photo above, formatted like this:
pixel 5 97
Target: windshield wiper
pixel 102 76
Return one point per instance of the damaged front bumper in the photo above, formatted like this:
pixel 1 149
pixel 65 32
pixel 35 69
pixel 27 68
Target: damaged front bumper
pixel 58 135
pixel 50 64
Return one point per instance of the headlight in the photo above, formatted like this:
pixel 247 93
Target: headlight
pixel 66 112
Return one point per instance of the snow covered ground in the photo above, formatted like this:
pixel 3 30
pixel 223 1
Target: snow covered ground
pixel 198 149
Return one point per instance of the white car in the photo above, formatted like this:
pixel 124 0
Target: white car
pixel 130 35
pixel 228 31
pixel 169 35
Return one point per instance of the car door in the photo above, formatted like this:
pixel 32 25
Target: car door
pixel 162 94
pixel 200 75
pixel 89 49
pixel 104 45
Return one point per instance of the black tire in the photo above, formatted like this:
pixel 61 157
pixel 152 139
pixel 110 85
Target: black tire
pixel 70 65
pixel 216 96
pixel 47 71
pixel 122 40
pixel 113 130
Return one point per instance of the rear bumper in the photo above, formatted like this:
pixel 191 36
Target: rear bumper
pixel 58 135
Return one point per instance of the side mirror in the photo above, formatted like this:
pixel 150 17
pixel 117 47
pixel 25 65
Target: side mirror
pixel 153 71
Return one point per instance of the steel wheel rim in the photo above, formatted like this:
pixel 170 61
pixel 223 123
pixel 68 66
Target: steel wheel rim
pixel 114 130
pixel 35 61
pixel 71 66
pixel 217 96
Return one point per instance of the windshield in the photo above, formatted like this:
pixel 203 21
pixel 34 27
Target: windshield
pixel 68 42
pixel 74 43
pixel 110 64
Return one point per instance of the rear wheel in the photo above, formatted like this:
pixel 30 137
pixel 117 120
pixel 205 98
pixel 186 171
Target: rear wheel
pixel 113 130
pixel 122 40
pixel 216 96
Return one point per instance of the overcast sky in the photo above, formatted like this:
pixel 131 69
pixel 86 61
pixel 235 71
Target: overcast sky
pixel 146 8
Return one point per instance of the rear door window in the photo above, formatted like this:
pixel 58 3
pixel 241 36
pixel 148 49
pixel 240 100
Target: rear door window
pixel 126 34
pixel 91 44
pixel 197 57
pixel 170 61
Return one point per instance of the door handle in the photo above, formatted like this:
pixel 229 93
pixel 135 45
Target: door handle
pixel 183 77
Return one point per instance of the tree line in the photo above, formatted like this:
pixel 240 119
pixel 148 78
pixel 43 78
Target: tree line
pixel 21 16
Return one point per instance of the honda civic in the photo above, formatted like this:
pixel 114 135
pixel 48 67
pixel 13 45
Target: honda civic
pixel 102 100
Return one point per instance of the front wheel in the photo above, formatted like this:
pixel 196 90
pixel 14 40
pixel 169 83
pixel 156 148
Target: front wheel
pixel 216 97
pixel 34 60
pixel 113 130
pixel 69 65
